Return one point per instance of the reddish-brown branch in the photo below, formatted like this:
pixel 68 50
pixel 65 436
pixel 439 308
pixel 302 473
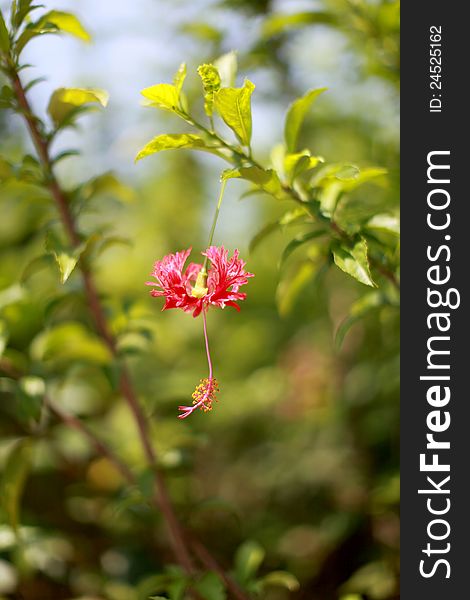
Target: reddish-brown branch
pixel 43 151
pixel 211 564
pixel 97 444
pixel 176 537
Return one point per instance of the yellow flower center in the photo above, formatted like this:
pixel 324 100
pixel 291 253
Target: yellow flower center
pixel 200 290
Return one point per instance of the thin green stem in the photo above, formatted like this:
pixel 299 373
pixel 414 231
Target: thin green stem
pixel 238 152
pixel 216 216
pixel 217 210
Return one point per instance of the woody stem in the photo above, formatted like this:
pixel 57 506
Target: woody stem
pixel 176 537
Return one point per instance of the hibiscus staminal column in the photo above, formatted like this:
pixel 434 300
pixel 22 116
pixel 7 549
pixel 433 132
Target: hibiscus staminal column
pixel 206 392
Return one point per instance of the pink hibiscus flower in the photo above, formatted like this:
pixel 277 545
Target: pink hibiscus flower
pixel 194 289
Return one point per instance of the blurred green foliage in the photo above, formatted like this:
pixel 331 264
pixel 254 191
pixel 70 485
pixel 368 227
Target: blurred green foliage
pixel 294 474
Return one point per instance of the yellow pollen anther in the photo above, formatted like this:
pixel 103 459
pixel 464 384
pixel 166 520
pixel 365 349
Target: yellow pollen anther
pixel 206 393
pixel 200 290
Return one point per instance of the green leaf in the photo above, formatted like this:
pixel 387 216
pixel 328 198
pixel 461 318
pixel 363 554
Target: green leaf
pixel 65 101
pixel 346 172
pixel 384 222
pixel 295 116
pixel 176 589
pixel 297 163
pixel 234 106
pixel 368 303
pixel 24 7
pixel 338 172
pixel 329 196
pixel 174 141
pixel 291 216
pixel 211 84
pixel 266 179
pixel 281 579
pixel 179 78
pixel 6 97
pixel 333 181
pixel 34 82
pixel 65 22
pixel 53 22
pixel 66 258
pixel 153 584
pixel 353 260
pixel 63 155
pixel 227 67
pixel 362 176
pixel 70 342
pixel 278 23
pixel 67 264
pixel 211 587
pixel 4 35
pixel 13 479
pixel 248 559
pixel 298 241
pixel 163 95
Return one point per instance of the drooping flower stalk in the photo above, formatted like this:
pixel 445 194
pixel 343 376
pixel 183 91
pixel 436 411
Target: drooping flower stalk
pixel 206 392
